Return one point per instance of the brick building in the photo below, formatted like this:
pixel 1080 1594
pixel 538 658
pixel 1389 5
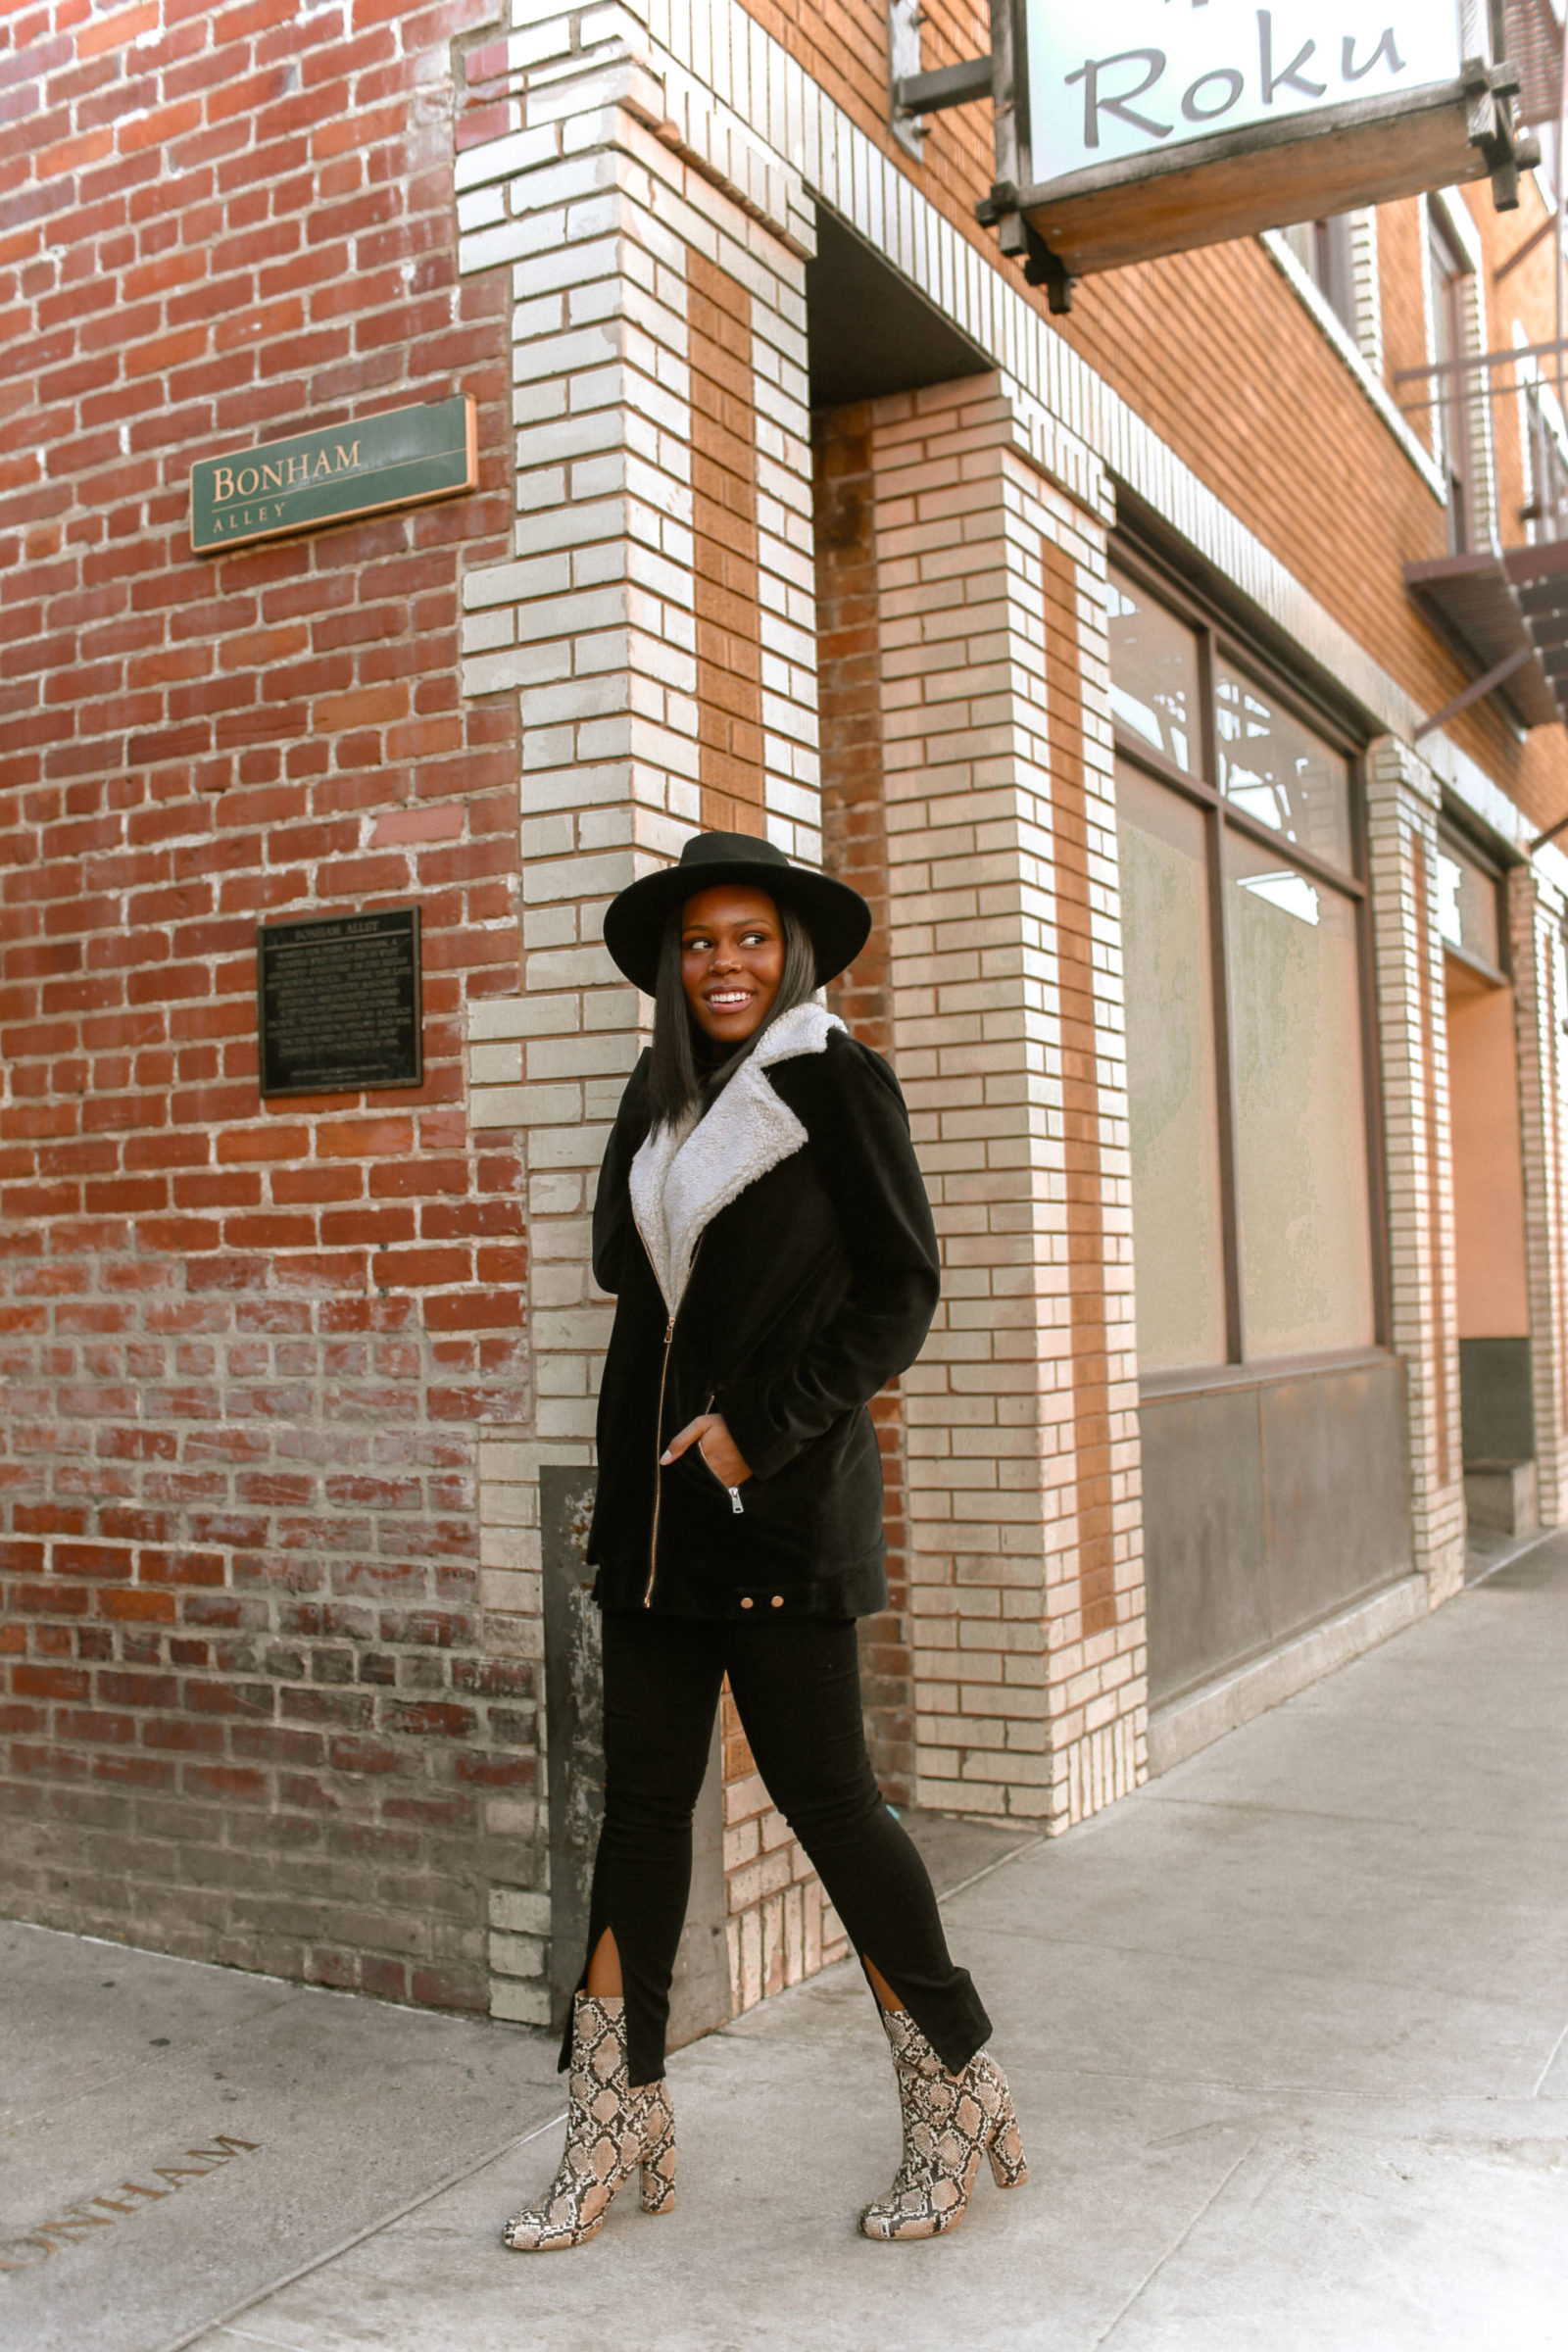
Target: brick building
pixel 1101 651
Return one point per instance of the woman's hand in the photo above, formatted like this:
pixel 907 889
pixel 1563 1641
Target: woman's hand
pixel 711 1436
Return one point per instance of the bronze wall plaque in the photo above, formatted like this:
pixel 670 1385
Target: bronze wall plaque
pixel 338 1003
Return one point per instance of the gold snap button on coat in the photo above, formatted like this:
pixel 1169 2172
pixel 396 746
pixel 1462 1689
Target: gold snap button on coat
pixel 747 1602
pixel 778 1600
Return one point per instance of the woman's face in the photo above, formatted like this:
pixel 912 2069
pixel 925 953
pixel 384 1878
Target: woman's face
pixel 731 959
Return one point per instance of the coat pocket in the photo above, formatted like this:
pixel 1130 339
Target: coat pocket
pixel 698 1466
pixel 830 1485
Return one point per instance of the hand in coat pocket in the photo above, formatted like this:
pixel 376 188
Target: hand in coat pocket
pixel 710 1434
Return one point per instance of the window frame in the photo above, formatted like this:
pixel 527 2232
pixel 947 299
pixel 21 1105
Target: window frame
pixel 1448 270
pixel 1545 466
pixel 1219 637
pixel 1330 263
pixel 1453 837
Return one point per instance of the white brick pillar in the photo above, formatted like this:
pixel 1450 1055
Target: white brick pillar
pixel 1403 797
pixel 1536 920
pixel 1026 1575
pixel 657 624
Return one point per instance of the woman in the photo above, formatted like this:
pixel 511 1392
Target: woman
pixel 761 1222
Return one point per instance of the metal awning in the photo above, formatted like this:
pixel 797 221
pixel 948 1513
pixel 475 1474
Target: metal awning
pixel 1538 578
pixel 1506 613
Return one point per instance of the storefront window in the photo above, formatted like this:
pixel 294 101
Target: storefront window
pixel 1301 1135
pixel 1153 674
pixel 1251 1188
pixel 1467 905
pixel 1171 1076
pixel 1277 772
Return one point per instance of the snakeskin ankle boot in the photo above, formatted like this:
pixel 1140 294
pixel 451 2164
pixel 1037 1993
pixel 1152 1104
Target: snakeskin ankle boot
pixel 611 2132
pixel 949 2122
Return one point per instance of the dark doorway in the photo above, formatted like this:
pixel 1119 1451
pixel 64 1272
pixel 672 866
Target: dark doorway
pixel 871 335
pixel 870 331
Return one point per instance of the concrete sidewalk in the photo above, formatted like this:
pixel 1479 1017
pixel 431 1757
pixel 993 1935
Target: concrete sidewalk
pixel 1289 2032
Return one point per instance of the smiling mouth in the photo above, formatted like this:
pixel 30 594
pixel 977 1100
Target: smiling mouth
pixel 727 1000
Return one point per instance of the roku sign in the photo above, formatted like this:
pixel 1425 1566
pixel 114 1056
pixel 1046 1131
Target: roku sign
pixel 1109 82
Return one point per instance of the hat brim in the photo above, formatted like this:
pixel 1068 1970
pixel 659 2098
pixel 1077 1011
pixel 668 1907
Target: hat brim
pixel 837 917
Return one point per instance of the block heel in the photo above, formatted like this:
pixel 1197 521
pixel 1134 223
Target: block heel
pixel 612 2132
pixel 658 2154
pixel 1008 2170
pixel 949 2122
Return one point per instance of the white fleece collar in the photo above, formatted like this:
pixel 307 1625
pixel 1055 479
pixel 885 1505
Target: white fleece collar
pixel 683 1176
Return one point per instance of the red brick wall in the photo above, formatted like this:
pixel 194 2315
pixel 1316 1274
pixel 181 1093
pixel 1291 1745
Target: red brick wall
pixel 1215 350
pixel 248 1709
pixel 729 653
pixel 855 846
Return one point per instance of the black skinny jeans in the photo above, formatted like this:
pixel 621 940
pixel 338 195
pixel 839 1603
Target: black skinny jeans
pixel 797 1686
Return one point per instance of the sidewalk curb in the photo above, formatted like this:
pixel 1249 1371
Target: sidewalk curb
pixel 1189 1725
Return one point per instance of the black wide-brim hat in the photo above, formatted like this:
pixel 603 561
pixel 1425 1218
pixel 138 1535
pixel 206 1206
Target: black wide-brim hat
pixel 837 917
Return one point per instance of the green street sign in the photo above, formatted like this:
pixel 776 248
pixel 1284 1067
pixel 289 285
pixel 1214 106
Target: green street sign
pixel 403 458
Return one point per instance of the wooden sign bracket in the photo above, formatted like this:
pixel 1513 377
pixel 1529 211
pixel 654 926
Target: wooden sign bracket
pixel 1206 191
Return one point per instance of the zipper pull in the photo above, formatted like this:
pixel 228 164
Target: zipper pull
pixel 735 1502
pixel 669 1331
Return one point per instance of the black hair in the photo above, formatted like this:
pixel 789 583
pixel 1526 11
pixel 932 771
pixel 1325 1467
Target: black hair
pixel 683 1075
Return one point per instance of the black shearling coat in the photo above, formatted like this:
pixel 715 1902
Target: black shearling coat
pixel 813 1280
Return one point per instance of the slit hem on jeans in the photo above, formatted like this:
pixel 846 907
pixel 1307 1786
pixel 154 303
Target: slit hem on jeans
pixel 628 2006
pixel 950 2023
